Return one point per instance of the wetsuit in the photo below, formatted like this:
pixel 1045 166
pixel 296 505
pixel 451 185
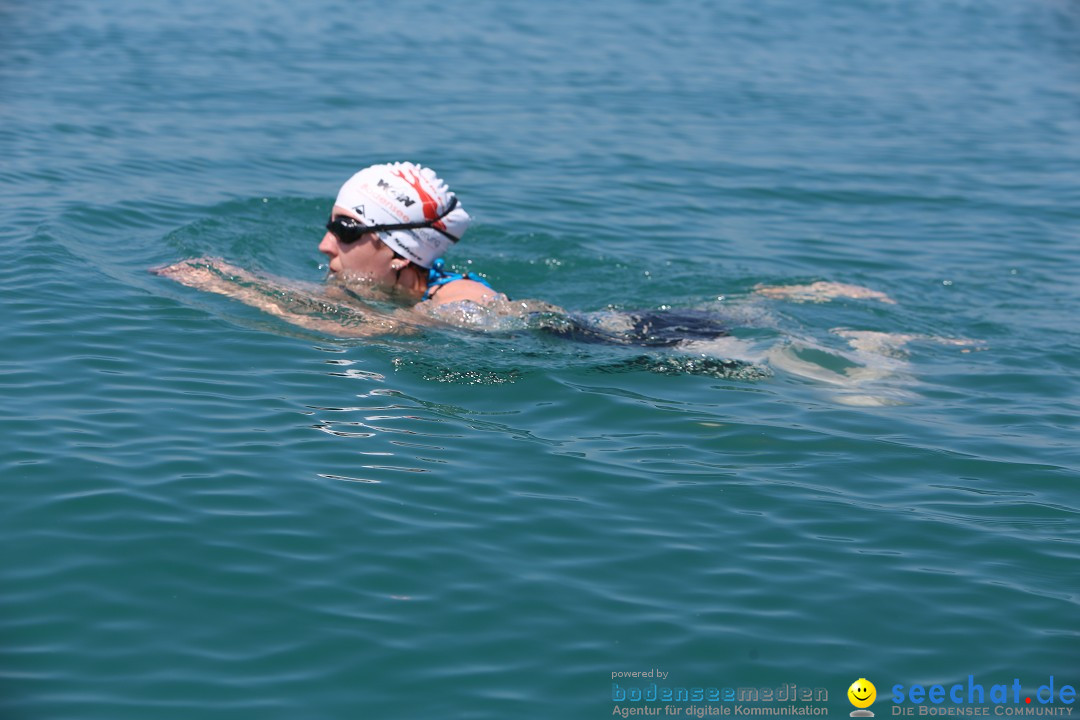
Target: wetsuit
pixel 650 328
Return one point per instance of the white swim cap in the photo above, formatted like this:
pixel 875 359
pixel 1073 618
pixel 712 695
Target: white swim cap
pixel 406 193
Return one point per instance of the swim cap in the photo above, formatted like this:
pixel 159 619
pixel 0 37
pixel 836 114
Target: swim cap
pixel 405 193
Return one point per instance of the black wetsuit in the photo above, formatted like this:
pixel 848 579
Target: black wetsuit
pixel 650 328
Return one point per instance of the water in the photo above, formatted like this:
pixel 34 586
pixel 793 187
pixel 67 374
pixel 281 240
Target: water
pixel 209 513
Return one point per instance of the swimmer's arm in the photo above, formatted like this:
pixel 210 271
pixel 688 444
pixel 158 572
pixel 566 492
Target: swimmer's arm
pixel 821 292
pixel 215 275
pixel 278 298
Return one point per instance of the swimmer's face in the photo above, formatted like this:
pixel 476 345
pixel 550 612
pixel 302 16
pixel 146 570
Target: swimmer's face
pixel 368 258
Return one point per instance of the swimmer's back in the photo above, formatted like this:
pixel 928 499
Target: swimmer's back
pixel 463 289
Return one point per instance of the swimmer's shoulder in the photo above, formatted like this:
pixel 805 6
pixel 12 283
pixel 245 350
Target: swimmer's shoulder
pixel 463 289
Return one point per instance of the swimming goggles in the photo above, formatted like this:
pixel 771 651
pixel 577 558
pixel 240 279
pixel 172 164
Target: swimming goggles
pixel 347 229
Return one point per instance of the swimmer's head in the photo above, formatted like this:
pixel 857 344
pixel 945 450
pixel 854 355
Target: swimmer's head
pixel 406 194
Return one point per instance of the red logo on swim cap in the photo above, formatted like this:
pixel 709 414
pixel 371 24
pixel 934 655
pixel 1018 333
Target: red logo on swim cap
pixel 430 204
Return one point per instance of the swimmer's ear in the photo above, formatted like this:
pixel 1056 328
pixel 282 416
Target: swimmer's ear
pixel 399 264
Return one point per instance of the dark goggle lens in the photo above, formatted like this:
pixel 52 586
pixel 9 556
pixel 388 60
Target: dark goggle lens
pixel 347 230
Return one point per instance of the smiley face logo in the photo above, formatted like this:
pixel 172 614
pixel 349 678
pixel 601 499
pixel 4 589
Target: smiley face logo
pixel 862 694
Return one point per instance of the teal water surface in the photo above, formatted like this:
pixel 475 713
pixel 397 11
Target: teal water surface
pixel 207 512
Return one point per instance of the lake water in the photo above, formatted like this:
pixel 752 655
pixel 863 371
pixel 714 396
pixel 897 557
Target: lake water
pixel 207 512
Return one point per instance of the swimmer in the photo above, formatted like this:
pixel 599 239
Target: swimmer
pixel 389 227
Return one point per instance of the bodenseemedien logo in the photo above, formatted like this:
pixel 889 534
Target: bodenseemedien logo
pixel 862 694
